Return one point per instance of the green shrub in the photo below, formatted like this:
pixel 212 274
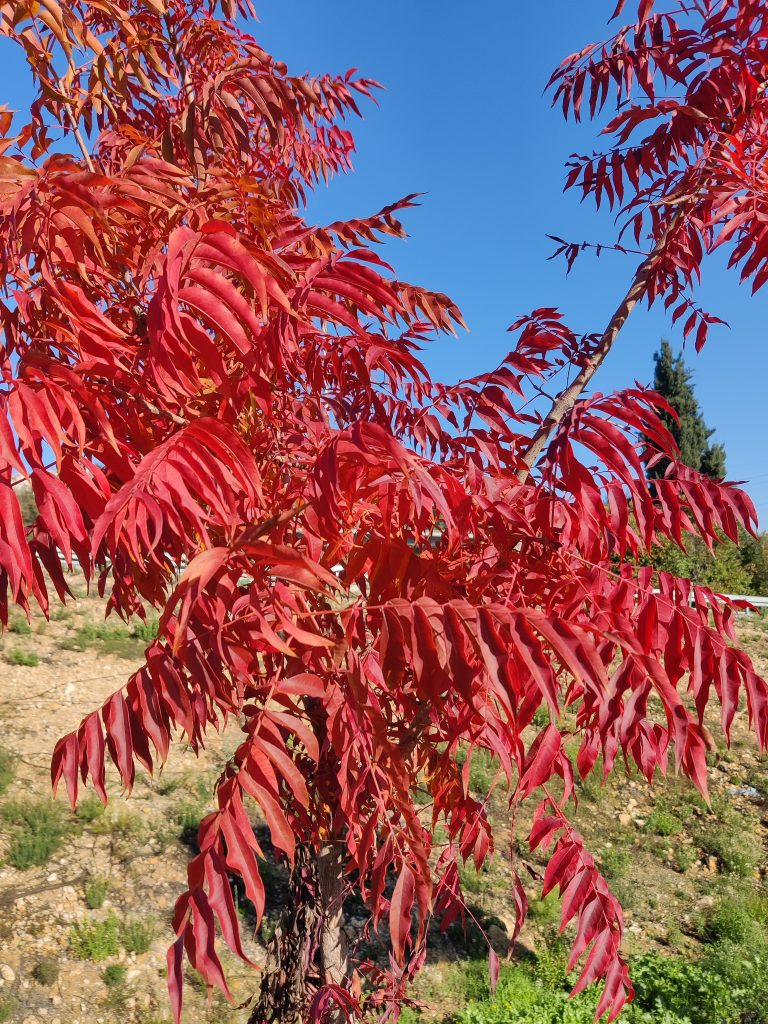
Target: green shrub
pixel 89 809
pixel 6 769
pixel 119 821
pixel 18 624
pixel 738 853
pixel 663 822
pixel 95 940
pixel 46 972
pixel 743 968
pixel 546 912
pixel 472 881
pixel 683 858
pixel 114 975
pixel 683 988
pixel 146 631
pixel 96 892
pixel 17 656
pixel 669 990
pixel 137 935
pixel 37 831
pixel 7 1008
pixel 615 862
pixel 740 915
pixel 94 634
pixel 188 814
pixel 112 637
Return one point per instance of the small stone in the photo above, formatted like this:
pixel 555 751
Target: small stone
pixel 712 865
pixel 30 1020
pixel 7 973
pixel 53 877
pixel 624 818
pixel 56 1000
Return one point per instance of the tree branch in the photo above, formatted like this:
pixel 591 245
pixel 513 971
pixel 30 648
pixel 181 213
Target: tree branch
pixel 80 140
pixel 567 398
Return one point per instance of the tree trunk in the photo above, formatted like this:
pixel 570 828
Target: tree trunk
pixel 330 878
pixel 309 930
pixel 283 997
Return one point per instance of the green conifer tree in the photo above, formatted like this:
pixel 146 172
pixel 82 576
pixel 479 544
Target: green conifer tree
pixel 672 379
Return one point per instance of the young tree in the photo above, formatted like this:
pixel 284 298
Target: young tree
pixel 381 568
pixel 672 380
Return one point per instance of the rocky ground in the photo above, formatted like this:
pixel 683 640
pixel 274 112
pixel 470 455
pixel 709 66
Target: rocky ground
pixel 85 899
pixel 83 935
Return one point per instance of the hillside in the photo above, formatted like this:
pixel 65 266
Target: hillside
pixel 86 898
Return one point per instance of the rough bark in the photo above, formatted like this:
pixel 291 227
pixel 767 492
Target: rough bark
pixel 283 996
pixel 309 946
pixel 330 877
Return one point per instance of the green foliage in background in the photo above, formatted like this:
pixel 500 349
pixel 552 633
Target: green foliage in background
pixel 729 569
pixel 724 984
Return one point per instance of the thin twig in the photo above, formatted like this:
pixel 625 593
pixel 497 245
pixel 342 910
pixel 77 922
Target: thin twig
pixel 80 140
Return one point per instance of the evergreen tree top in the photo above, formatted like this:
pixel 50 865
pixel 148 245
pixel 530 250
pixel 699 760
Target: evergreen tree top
pixel 673 380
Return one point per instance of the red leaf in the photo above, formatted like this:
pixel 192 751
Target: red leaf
pixel 400 912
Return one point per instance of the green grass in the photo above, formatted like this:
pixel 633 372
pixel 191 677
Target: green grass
pixel 18 656
pixel 683 858
pixel 615 862
pixel 146 631
pixel 738 852
pixel 96 892
pixel 669 990
pixel 482 769
pixel 472 881
pixel 546 912
pixel 663 822
pixel 95 940
pixel 18 624
pixel 6 769
pixel 38 828
pixel 119 821
pixel 739 915
pixel 137 935
pixel 112 637
pixel 89 810
pixel 114 975
pixel 46 972
pixel 7 1008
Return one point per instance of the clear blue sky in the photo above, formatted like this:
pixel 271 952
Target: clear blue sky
pixel 463 119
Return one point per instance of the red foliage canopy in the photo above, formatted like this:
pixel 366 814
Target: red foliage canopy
pixel 379 567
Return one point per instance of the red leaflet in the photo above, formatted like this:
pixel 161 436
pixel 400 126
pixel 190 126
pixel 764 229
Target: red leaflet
pixel 371 574
pixel 400 911
pixel 540 764
pixel 493 969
